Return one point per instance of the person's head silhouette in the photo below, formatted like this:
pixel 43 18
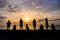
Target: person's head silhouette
pixel 41 25
pixel 8 20
pixel 14 25
pixel 21 19
pixel 26 24
pixel 46 18
pixel 34 19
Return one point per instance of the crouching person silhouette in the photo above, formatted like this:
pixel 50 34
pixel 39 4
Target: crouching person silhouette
pixel 41 27
pixel 14 27
pixel 53 27
pixel 27 27
pixel 8 25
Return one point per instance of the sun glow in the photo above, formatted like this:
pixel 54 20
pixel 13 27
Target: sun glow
pixel 27 19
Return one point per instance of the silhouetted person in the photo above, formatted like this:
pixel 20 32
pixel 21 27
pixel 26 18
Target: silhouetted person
pixel 34 24
pixel 46 20
pixel 27 27
pixel 41 27
pixel 53 27
pixel 14 27
pixel 8 24
pixel 21 24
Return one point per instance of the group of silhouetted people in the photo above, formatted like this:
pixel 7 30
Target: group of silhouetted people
pixel 52 26
pixel 34 25
pixel 47 26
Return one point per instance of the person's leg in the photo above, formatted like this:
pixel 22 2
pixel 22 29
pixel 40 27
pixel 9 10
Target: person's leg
pixel 35 27
pixel 20 27
pixel 7 27
pixel 47 27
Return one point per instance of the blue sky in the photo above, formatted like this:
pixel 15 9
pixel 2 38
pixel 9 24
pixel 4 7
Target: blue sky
pixel 39 8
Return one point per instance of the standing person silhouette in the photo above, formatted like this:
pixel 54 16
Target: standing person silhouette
pixel 8 24
pixel 53 27
pixel 34 24
pixel 27 27
pixel 14 27
pixel 21 24
pixel 46 21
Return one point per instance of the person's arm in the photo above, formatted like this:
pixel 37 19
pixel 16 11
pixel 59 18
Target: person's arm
pixel 22 21
pixel 10 22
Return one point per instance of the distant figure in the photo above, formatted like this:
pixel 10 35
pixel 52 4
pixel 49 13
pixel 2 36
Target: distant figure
pixel 41 27
pixel 27 27
pixel 46 20
pixel 14 27
pixel 34 24
pixel 8 24
pixel 53 27
pixel 21 24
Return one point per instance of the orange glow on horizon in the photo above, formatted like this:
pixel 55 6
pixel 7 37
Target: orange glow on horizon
pixel 26 15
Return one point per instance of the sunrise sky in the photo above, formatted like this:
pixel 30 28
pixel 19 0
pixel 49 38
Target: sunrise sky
pixel 29 9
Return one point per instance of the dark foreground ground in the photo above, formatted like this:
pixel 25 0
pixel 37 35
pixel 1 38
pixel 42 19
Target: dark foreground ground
pixel 29 35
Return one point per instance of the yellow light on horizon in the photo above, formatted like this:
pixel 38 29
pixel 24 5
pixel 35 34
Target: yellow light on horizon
pixel 27 19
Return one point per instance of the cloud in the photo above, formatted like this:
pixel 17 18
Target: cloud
pixel 9 7
pixel 2 17
pixel 47 5
pixel 58 27
pixel 50 5
pixel 41 7
pixel 57 19
pixel 3 3
pixel 14 8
